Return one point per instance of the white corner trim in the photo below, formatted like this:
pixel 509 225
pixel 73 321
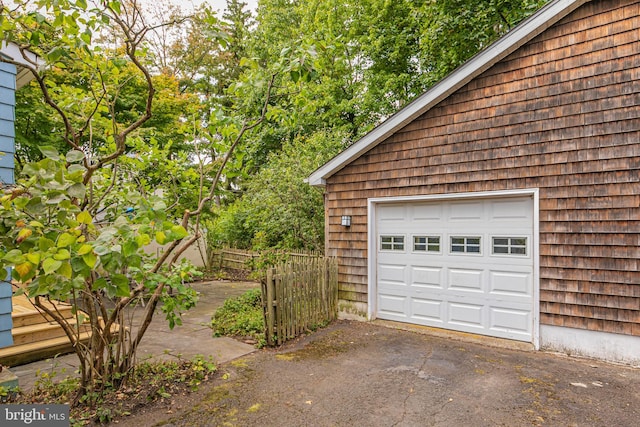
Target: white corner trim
pixel 372 261
pixel 605 346
pixel 527 30
pixel 536 269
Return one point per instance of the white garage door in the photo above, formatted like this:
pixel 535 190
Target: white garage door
pixel 461 265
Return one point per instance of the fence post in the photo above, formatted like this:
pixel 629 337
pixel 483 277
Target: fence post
pixel 269 309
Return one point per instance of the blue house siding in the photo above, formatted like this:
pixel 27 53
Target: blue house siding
pixel 7 135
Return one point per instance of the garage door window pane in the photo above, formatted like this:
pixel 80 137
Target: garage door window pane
pixel 392 243
pixel 509 245
pixel 426 243
pixel 470 245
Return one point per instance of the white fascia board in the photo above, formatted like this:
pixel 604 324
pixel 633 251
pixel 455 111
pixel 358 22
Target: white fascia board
pixel 527 30
pixel 12 51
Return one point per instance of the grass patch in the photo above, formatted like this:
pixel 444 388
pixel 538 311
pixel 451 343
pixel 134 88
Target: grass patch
pixel 241 317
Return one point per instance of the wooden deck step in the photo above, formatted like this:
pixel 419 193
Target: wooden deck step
pixel 24 313
pixel 42 332
pixel 32 317
pixel 26 353
pixel 36 336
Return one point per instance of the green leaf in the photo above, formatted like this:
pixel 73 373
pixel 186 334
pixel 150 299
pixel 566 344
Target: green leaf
pixel 75 172
pixel 65 240
pixel 179 232
pixel 50 152
pixel 50 265
pixel 33 257
pixel 55 54
pixel 115 5
pixel 56 199
pixel 161 238
pixel 45 244
pixel 129 248
pixel 77 190
pixel 14 256
pixel 143 240
pixel 101 250
pixel 134 261
pixel 85 249
pixel 74 156
pixel 62 255
pixel 65 270
pixel 90 259
pixel 99 284
pixel 121 283
pixel 84 217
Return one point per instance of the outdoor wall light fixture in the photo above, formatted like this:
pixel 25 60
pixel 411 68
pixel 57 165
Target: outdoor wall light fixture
pixel 346 220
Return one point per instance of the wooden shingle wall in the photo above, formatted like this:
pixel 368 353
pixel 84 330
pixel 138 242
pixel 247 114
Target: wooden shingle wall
pixel 561 114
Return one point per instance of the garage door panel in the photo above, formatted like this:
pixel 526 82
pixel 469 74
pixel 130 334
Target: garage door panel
pixel 465 280
pixel 427 212
pixel 465 314
pixel 466 211
pixel 510 210
pixel 510 320
pixel 393 304
pixel 392 213
pixel 511 283
pixel 392 273
pixel 430 277
pixel 466 290
pixel 431 310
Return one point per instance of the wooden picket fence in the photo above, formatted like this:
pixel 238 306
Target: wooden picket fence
pixel 234 259
pixel 240 259
pixel 299 296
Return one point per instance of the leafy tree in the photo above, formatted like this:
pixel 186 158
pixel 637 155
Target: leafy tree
pixel 279 210
pixel 455 30
pixel 76 224
pixel 369 59
pixel 388 34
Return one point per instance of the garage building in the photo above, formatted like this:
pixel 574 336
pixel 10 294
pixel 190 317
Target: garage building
pixel 505 201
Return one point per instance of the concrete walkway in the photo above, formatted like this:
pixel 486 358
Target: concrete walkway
pixel 193 337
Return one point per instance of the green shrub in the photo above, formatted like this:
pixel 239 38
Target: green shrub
pixel 240 317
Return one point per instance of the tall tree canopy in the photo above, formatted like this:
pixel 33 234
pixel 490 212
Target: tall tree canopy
pixel 334 69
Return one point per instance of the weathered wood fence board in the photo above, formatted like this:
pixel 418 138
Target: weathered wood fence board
pixel 299 296
pixel 238 259
pixel 234 259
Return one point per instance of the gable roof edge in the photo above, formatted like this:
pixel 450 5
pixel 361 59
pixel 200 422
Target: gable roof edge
pixel 514 39
pixel 12 53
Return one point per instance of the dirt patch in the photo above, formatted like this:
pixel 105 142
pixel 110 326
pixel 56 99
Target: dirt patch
pixel 326 344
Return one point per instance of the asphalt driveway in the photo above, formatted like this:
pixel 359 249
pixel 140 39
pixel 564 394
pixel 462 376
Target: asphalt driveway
pixel 363 374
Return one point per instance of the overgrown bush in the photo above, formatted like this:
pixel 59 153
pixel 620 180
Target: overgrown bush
pixel 241 317
pixel 278 209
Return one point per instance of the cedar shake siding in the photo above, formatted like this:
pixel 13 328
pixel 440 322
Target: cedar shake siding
pixel 561 114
